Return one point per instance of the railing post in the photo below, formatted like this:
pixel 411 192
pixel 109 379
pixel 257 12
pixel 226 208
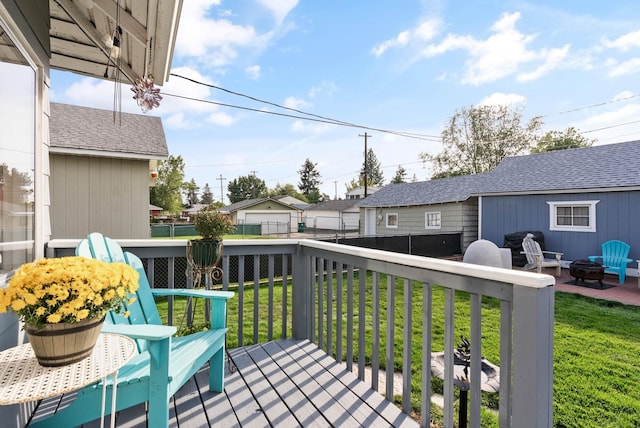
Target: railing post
pixel 532 385
pixel 301 300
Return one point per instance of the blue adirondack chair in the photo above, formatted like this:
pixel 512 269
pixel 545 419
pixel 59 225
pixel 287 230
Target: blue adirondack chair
pixel 164 363
pixel 614 257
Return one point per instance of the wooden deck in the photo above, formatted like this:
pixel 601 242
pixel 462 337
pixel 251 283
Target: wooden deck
pixel 283 383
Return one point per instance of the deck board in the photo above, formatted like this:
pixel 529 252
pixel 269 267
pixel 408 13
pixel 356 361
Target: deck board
pixel 280 383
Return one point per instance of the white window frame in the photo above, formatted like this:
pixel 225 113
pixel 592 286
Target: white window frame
pixel 438 220
pixel 389 216
pixel 553 216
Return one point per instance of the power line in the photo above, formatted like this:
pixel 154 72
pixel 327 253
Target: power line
pixel 617 100
pixel 311 116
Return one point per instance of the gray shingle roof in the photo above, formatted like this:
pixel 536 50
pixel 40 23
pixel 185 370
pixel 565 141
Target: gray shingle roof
pixel 90 129
pixel 335 205
pixel 597 167
pixel 592 168
pixel 450 189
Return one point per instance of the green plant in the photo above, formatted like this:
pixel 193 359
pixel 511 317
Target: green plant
pixel 210 223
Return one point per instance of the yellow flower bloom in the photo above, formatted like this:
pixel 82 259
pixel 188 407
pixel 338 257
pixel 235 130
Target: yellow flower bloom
pixel 68 289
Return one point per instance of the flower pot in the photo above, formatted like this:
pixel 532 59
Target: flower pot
pixel 205 253
pixel 64 343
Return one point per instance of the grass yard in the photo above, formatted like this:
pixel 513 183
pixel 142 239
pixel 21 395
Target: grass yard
pixel 596 353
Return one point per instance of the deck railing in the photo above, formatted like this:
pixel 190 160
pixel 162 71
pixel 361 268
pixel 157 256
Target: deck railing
pixel 355 303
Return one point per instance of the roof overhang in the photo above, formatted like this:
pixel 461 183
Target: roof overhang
pixel 149 30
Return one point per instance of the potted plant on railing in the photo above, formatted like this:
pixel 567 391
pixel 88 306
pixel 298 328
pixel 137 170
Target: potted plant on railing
pixel 211 224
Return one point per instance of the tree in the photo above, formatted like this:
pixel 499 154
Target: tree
pixel 478 138
pixel 169 185
pixel 553 141
pixel 191 191
pixel 401 175
pixel 287 189
pixel 315 197
pixel 309 178
pixel 371 170
pixel 207 195
pixel 246 187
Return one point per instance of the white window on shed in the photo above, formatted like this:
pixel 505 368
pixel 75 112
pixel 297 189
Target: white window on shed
pixel 432 220
pixel 392 220
pixel 572 216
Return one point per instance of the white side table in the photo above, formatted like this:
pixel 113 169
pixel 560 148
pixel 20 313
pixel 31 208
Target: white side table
pixel 22 379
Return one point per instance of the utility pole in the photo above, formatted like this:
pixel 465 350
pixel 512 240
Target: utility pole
pixel 335 184
pixel 221 178
pixel 253 185
pixel 366 167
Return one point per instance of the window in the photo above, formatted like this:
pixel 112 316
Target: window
pixel 17 155
pixel 392 221
pixel 573 216
pixel 432 220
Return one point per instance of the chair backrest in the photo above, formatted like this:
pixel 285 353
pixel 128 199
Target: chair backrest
pixel 532 249
pixel 613 252
pixel 141 311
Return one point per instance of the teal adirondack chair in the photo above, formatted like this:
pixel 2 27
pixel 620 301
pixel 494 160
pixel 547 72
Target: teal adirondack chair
pixel 164 363
pixel 614 257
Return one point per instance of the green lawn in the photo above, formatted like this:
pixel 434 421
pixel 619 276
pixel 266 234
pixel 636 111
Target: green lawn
pixel 596 353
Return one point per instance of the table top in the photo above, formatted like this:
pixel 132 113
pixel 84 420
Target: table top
pixel 22 379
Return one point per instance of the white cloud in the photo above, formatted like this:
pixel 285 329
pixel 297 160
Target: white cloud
pixel 295 103
pixel 500 98
pixel 279 8
pixel 214 41
pixel 624 43
pixel 425 31
pixel 221 118
pixel 623 95
pixel 253 71
pixel 98 93
pixel 552 58
pixel 624 68
pixel 307 127
pixel 325 87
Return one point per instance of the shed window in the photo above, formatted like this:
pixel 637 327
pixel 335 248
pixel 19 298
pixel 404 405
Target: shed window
pixel 432 220
pixel 573 216
pixel 392 220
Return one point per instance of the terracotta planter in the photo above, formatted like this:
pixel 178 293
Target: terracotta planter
pixel 205 253
pixel 64 343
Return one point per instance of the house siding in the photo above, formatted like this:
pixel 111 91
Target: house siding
pixel 94 194
pixel 457 217
pixel 614 213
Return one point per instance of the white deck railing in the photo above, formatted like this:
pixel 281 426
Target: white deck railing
pixel 324 279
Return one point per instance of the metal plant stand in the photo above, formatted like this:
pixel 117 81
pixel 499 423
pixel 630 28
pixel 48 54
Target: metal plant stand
pixel 210 273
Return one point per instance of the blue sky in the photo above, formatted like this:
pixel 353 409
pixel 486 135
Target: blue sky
pixel 401 66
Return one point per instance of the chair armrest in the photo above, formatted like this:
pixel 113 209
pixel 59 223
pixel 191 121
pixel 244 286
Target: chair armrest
pixel 186 292
pixel 140 331
pixel 553 252
pixel 628 260
pixel 593 258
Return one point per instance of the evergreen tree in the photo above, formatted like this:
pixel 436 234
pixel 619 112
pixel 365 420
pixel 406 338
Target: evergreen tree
pixel 401 175
pixel 372 170
pixel 309 178
pixel 191 190
pixel 167 193
pixel 207 195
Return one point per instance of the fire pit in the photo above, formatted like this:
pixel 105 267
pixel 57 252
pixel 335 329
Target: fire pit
pixel 586 270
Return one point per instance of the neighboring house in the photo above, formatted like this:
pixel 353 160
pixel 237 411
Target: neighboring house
pixel 35 37
pixel 579 198
pixel 446 205
pixel 100 171
pixel 358 192
pixel 340 214
pixel 273 215
pixel 294 202
pixel 187 214
pixel 154 211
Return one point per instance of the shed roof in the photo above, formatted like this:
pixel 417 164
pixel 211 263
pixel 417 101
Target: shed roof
pixel 248 203
pixel 335 205
pixel 91 131
pixel 596 168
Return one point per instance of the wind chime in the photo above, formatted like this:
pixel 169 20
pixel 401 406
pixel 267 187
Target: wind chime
pixel 145 93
